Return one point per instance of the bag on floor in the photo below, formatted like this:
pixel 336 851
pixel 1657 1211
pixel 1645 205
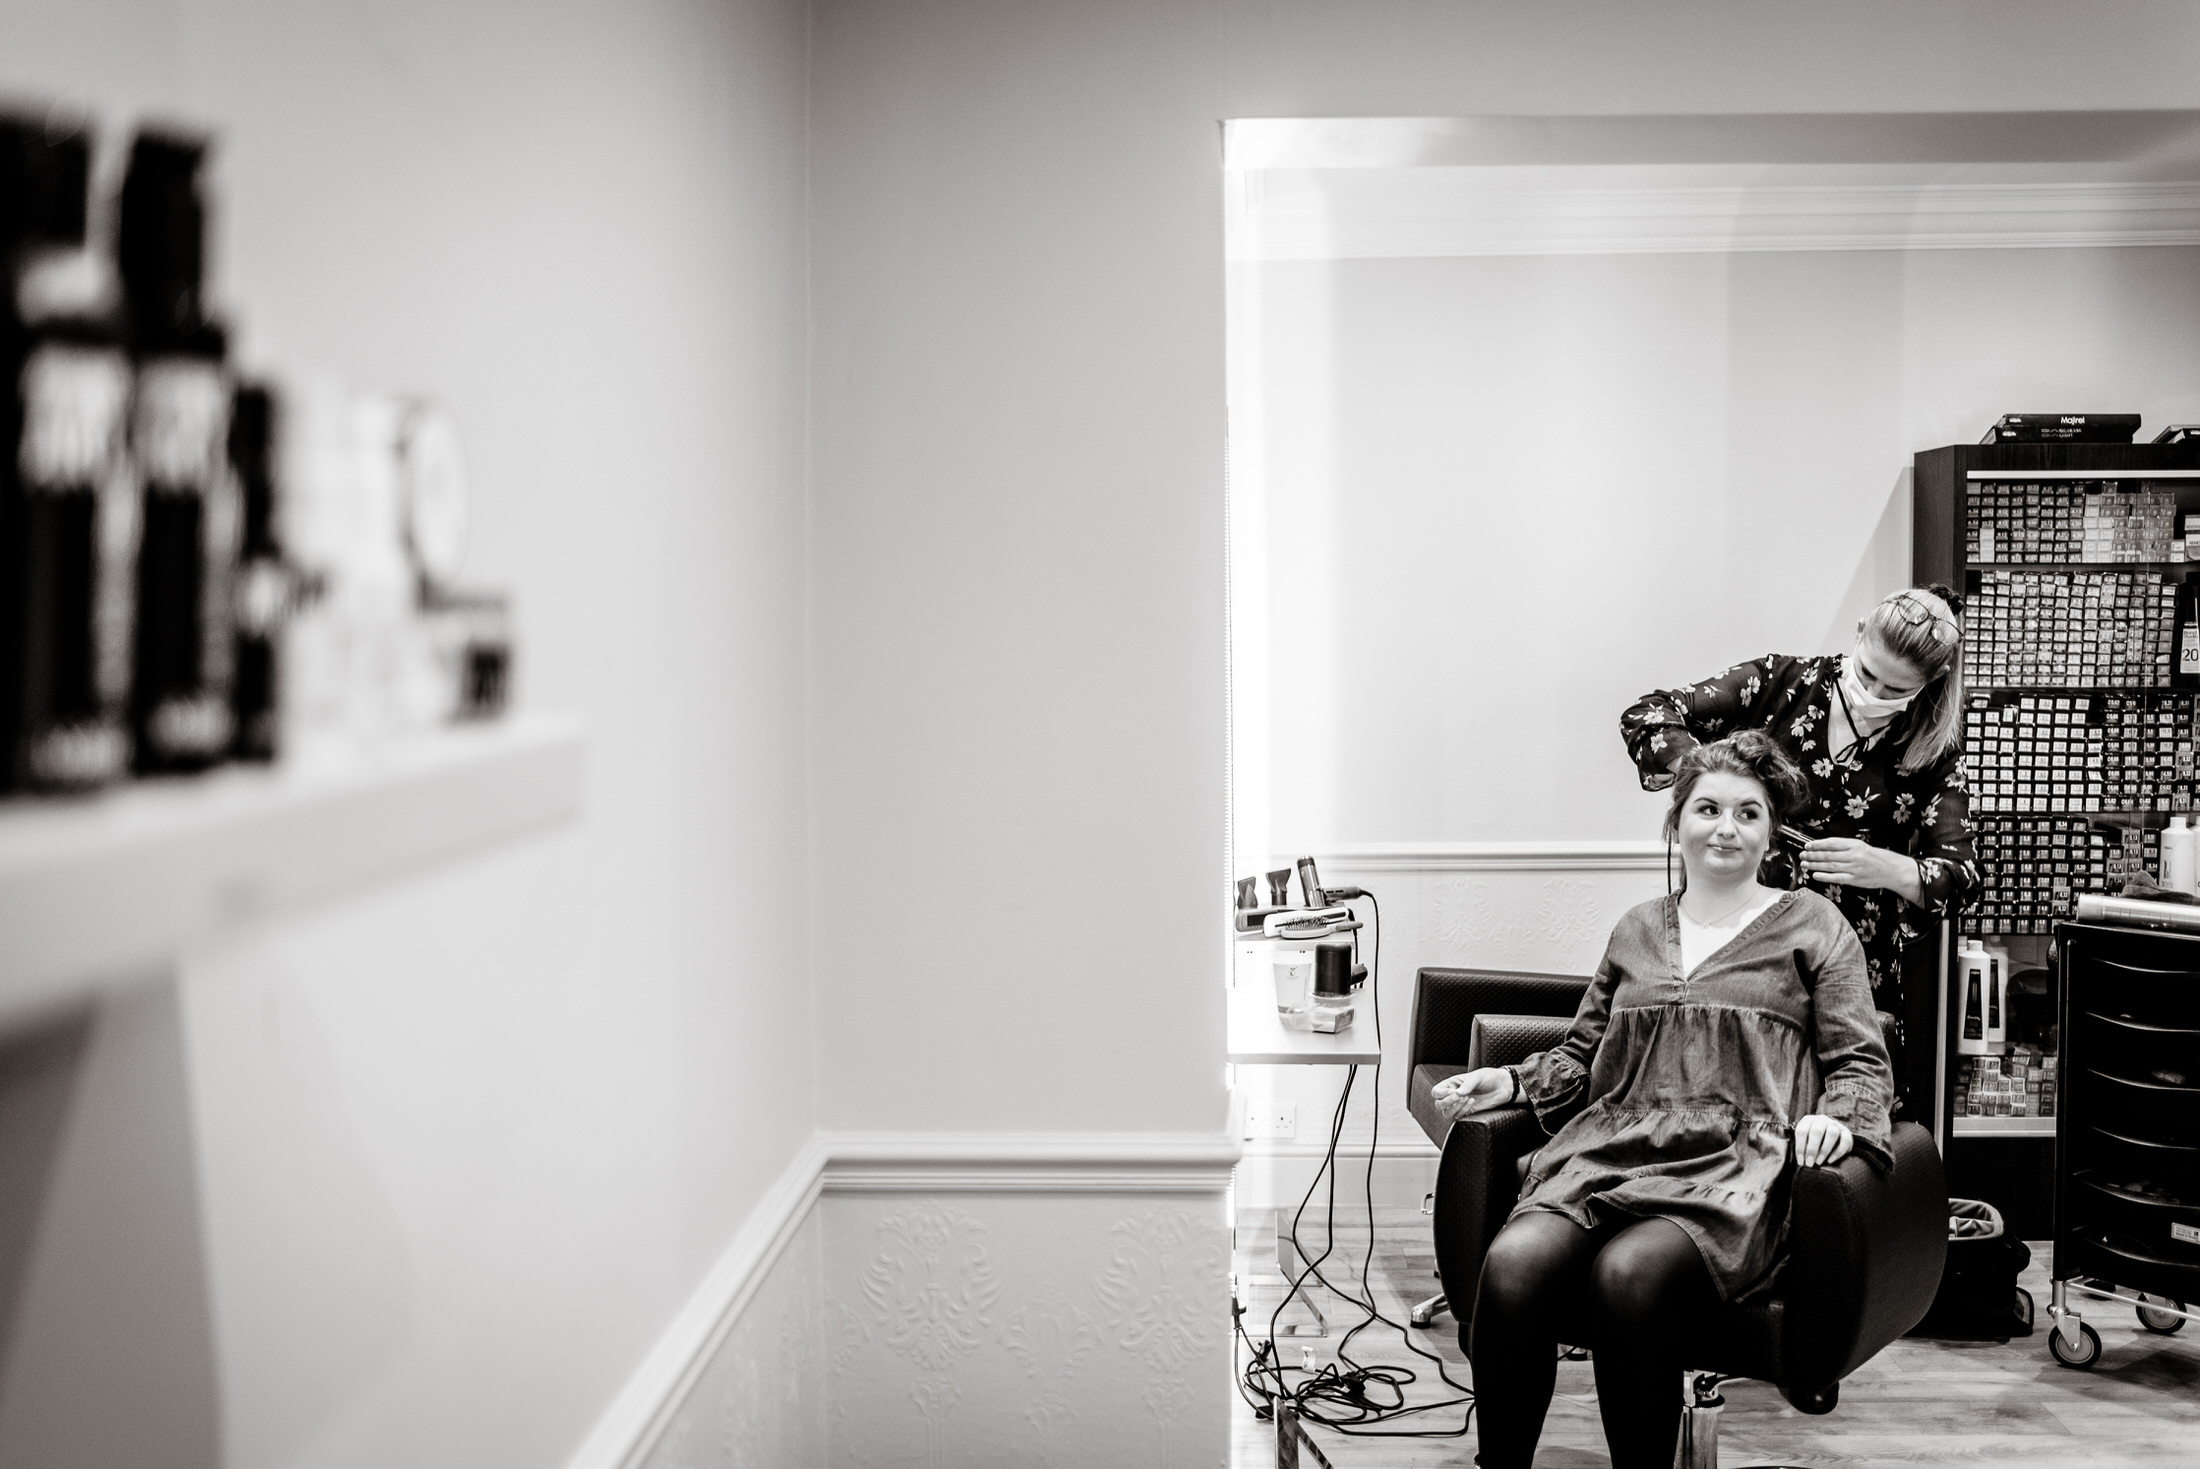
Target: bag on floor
pixel 1979 1299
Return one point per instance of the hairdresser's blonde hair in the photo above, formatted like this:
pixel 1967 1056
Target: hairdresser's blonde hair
pixel 1923 627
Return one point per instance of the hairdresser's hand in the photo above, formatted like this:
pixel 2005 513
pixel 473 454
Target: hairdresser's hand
pixel 1473 1091
pixel 1821 1142
pixel 1857 864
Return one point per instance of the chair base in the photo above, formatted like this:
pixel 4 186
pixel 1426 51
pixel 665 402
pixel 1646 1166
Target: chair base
pixel 1699 1446
pixel 1426 1313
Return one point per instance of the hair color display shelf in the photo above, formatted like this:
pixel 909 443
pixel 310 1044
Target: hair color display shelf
pixel 2079 747
pixel 105 889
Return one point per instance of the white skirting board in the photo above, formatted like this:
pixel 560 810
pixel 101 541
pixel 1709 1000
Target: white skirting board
pixel 1278 1174
pixel 979 1297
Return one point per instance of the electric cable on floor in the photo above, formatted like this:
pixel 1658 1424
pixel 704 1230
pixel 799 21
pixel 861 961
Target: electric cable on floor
pixel 1346 1401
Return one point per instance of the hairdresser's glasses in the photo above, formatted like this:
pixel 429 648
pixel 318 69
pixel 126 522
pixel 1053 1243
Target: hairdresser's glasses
pixel 1917 612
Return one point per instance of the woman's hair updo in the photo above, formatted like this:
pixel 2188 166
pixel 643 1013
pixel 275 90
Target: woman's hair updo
pixel 1923 626
pixel 1752 753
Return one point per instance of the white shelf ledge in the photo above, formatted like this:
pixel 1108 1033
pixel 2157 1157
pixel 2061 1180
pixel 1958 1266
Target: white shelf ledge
pixel 2002 1126
pixel 1259 1036
pixel 110 886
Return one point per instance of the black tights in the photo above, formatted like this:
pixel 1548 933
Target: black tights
pixel 1635 1282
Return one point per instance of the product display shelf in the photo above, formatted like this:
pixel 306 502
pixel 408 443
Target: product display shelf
pixel 2127 1163
pixel 107 888
pixel 2047 630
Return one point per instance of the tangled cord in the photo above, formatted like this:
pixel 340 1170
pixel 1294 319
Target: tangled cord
pixel 1346 1396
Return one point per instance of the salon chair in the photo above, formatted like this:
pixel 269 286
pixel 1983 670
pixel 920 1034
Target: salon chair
pixel 1446 1003
pixel 1875 1239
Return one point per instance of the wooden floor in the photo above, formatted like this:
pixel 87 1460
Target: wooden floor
pixel 1918 1402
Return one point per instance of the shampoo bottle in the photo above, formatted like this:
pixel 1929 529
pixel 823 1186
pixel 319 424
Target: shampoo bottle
pixel 1971 976
pixel 1997 1001
pixel 2177 855
pixel 1999 973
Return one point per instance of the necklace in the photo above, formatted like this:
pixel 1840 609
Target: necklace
pixel 1747 899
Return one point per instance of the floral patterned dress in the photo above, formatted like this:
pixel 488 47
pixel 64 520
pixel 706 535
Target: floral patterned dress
pixel 1924 814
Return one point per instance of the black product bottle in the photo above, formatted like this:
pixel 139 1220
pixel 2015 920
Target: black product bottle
pixel 1974 1026
pixel 185 654
pixel 44 173
pixel 264 591
pixel 160 247
pixel 43 194
pixel 72 519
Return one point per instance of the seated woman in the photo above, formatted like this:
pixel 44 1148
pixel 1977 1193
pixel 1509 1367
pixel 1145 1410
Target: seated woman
pixel 1728 1031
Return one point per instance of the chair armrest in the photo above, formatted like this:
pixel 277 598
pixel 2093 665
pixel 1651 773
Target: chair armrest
pixel 1477 1184
pixel 1865 1250
pixel 1421 1100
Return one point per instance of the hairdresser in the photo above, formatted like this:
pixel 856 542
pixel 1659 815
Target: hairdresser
pixel 1878 733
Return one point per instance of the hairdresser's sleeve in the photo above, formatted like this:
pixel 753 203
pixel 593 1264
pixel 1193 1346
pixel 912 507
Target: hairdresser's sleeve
pixel 1662 725
pixel 1947 862
pixel 1856 1078
pixel 1556 1082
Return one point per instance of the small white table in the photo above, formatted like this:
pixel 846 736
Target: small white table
pixel 1260 1036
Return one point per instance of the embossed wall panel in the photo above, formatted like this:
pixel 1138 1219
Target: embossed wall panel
pixel 1013 1331
pixel 759 1400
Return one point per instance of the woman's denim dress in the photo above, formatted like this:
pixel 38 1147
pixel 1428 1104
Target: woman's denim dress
pixel 1675 1098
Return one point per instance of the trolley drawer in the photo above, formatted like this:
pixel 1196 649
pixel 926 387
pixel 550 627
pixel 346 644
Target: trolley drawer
pixel 2142 1050
pixel 2141 995
pixel 2122 1151
pixel 2127 1261
pixel 2154 1214
pixel 2156 1110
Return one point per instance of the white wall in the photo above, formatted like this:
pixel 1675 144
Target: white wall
pixel 1020 295
pixel 465 1146
pixel 1018 634
pixel 1507 495
pixel 517 1110
pixel 1019 445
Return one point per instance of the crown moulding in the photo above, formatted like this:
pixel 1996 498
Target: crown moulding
pixel 1464 218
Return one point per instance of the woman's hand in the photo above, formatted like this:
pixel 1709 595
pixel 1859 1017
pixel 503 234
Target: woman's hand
pixel 1821 1142
pixel 1473 1091
pixel 1861 865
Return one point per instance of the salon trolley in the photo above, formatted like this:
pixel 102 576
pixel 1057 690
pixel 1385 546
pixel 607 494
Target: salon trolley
pixel 2127 1151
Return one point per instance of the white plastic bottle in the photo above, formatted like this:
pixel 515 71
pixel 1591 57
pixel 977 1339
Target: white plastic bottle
pixel 2177 855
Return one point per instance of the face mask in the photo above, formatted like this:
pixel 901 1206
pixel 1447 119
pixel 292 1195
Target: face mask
pixel 1863 705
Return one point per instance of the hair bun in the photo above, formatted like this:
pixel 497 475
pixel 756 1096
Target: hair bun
pixel 1947 594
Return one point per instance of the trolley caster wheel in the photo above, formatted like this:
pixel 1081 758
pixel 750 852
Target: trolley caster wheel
pixel 2162 1322
pixel 2023 1310
pixel 2088 1352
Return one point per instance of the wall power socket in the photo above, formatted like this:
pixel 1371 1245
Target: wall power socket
pixel 1269 1120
